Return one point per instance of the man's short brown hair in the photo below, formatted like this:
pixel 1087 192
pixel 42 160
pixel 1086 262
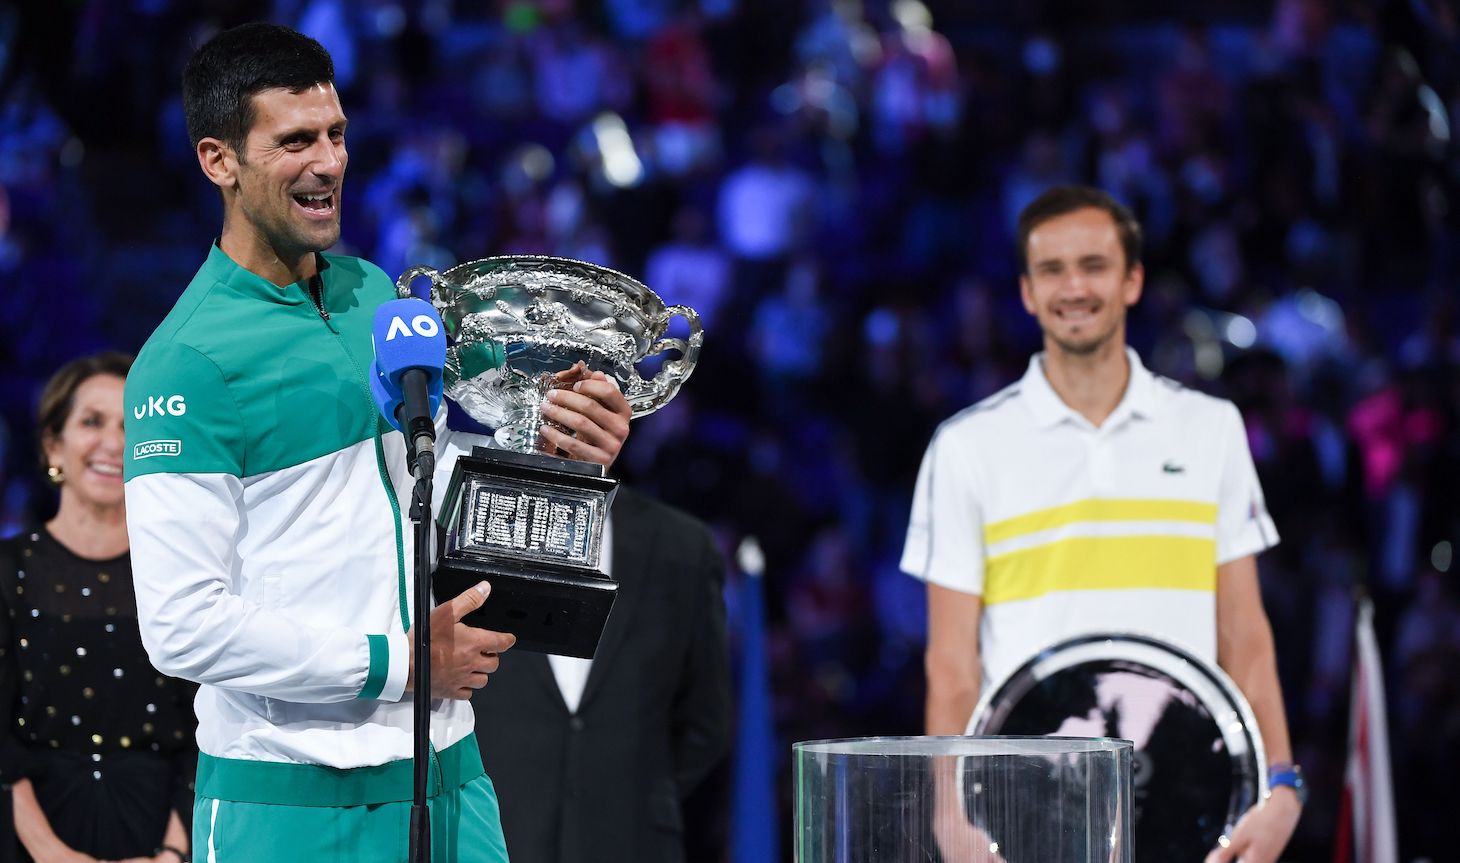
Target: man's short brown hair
pixel 1062 200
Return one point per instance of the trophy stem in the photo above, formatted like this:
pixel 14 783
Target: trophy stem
pixel 521 430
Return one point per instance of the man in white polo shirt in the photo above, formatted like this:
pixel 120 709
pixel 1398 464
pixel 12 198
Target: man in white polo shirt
pixel 1093 496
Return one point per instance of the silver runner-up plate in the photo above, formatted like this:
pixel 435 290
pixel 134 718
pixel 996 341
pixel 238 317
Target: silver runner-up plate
pixel 1198 762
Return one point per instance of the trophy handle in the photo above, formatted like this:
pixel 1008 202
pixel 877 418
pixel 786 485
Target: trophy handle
pixel 652 395
pixel 403 284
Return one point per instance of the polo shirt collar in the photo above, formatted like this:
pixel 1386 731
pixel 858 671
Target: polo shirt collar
pixel 1140 392
pixel 221 268
pixel 1050 410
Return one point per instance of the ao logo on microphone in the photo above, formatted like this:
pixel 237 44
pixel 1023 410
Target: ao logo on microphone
pixel 158 406
pixel 422 325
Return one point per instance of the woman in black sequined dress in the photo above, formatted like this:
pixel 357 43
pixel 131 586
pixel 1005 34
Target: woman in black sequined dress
pixel 95 746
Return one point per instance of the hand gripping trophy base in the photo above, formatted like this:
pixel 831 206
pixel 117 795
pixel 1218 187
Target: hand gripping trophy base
pixel 530 523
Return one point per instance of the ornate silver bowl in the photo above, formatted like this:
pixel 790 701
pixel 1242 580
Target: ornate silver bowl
pixel 515 321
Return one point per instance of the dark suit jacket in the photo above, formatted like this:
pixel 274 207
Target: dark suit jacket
pixel 608 783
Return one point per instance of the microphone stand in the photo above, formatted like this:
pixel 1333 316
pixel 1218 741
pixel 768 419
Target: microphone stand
pixel 424 465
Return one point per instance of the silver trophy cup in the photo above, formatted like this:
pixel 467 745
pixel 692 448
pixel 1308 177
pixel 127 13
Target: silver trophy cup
pixel 546 314
pixel 529 522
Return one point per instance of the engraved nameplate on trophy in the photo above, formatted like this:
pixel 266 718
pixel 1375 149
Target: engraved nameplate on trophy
pixel 532 526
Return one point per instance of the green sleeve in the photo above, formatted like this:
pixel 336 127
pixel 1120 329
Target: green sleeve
pixel 180 415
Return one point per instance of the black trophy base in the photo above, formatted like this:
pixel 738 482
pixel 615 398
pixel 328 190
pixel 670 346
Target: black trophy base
pixel 531 526
pixel 550 611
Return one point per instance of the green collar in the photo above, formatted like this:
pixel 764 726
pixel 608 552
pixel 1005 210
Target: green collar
pixel 221 268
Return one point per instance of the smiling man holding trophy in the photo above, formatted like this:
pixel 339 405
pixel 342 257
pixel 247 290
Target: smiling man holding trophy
pixel 264 504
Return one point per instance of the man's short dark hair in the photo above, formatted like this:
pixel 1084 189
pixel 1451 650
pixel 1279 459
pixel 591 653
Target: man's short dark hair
pixel 1062 200
pixel 227 71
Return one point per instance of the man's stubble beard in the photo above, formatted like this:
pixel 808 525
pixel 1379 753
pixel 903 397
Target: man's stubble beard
pixel 282 235
pixel 1088 347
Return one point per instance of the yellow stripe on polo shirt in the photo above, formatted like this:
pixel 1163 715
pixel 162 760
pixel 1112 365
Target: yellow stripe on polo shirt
pixel 1145 557
pixel 1102 563
pixel 1100 509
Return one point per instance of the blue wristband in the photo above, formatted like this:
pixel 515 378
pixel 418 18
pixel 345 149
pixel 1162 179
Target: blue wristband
pixel 1290 775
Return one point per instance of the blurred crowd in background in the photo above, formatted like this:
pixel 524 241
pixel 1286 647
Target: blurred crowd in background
pixel 833 185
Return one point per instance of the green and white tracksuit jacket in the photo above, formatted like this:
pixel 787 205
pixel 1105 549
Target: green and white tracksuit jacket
pixel 264 502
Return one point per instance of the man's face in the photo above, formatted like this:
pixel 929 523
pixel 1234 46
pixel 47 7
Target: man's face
pixel 1077 285
pixel 291 170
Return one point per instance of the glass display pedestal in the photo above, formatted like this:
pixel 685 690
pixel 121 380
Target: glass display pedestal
pixel 963 800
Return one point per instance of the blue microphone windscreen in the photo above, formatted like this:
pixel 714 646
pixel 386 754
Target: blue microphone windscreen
pixel 387 397
pixel 408 335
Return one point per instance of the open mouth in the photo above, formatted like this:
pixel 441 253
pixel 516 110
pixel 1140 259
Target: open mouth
pixel 317 204
pixel 1076 314
pixel 111 470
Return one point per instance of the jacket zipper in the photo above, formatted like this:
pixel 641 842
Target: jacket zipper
pixel 316 293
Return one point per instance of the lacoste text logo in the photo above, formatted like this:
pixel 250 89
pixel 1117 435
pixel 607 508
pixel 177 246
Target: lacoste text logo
pixel 1172 467
pixel 154 448
pixel 161 406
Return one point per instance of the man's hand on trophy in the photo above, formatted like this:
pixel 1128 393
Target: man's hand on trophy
pixel 1263 832
pixel 461 656
pixel 589 416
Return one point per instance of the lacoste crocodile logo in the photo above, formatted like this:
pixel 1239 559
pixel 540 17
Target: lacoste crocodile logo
pixel 1172 467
